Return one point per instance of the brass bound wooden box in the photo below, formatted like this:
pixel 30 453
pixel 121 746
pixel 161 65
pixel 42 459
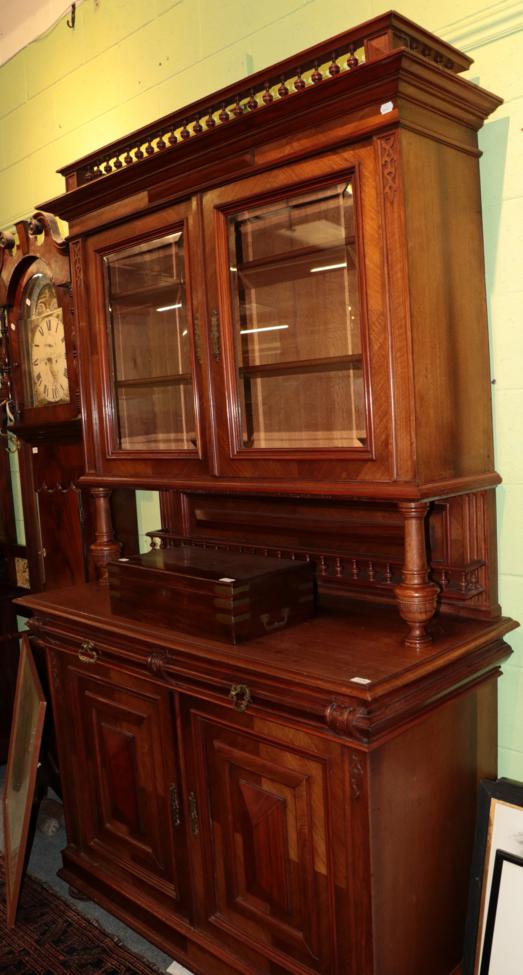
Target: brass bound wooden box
pixel 222 595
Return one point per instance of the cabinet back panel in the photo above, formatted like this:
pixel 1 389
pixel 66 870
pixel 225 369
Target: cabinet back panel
pixel 356 546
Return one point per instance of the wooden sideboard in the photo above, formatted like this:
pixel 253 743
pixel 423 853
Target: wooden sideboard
pixel 281 325
pixel 304 802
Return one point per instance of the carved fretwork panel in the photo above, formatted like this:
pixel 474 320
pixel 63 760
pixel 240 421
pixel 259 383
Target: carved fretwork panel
pixel 269 881
pixel 126 778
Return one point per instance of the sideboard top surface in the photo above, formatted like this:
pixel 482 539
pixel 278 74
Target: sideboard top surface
pixel 346 640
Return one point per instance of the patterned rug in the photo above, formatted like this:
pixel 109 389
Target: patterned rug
pixel 50 938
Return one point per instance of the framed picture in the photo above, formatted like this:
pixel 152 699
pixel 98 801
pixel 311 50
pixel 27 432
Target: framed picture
pixel 499 828
pixel 20 781
pixel 503 942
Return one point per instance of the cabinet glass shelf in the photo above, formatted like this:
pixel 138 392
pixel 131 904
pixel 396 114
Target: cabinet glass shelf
pixel 154 381
pixel 161 299
pixel 302 366
pixel 306 255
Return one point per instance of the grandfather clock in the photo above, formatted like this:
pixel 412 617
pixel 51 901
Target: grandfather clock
pixel 43 400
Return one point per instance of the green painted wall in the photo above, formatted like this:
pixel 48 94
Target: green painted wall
pixel 130 61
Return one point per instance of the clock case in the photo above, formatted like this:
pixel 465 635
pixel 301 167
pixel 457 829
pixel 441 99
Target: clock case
pixel 41 250
pixel 47 440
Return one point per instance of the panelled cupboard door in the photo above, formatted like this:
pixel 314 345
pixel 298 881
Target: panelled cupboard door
pixel 144 346
pixel 121 753
pixel 263 839
pixel 298 336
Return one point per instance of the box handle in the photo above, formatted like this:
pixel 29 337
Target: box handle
pixel 275 624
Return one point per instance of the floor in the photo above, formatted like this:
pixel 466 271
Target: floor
pixel 45 861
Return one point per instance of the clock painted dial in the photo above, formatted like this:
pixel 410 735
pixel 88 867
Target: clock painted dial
pixel 48 360
pixel 46 378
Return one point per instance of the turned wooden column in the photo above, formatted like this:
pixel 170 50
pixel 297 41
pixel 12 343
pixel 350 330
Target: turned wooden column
pixel 416 595
pixel 105 548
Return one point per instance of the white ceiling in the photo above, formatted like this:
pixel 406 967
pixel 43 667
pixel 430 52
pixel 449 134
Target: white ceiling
pixel 21 21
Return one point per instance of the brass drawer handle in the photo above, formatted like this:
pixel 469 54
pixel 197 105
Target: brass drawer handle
pixel 271 624
pixel 87 653
pixel 240 695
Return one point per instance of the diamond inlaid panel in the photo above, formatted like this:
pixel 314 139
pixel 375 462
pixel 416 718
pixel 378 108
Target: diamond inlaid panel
pixel 269 883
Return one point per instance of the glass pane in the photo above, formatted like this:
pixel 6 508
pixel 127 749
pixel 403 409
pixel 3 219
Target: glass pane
pixel 296 318
pixel 47 381
pixel 151 352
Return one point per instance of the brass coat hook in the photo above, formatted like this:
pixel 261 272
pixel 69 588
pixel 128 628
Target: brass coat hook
pixel 71 23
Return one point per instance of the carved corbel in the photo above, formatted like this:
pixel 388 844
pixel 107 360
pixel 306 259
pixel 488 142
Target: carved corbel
pixel 347 721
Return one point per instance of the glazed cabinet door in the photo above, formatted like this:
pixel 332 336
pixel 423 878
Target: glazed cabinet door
pixel 119 752
pixel 143 349
pixel 261 802
pixel 296 319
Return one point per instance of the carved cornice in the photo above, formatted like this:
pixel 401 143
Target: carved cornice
pixel 325 63
pixel 485 26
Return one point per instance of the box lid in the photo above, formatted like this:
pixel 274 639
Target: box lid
pixel 209 564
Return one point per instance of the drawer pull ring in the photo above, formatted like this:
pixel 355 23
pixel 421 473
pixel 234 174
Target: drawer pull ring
pixel 240 695
pixel 87 653
pixel 175 805
pixel 193 812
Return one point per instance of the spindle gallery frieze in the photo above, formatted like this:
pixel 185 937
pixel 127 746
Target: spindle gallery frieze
pixel 354 49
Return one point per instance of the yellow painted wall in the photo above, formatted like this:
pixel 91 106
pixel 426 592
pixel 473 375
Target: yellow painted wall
pixel 130 61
